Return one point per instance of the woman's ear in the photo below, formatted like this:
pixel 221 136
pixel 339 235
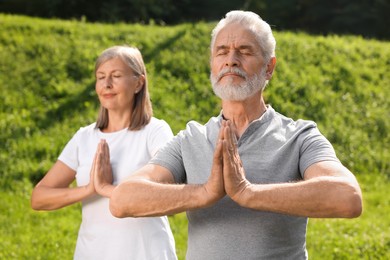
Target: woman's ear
pixel 141 83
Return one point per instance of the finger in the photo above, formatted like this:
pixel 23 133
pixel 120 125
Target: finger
pixel 104 154
pixel 93 172
pixel 217 167
pixel 100 150
pixel 106 150
pixel 95 161
pixel 218 151
pixel 229 143
pixel 99 159
pixel 227 154
pixel 96 153
pixel 231 136
pixel 222 130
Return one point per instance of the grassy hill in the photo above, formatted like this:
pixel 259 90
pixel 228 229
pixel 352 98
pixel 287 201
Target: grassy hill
pixel 47 86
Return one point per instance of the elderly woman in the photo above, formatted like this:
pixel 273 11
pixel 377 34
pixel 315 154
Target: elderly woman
pixel 125 129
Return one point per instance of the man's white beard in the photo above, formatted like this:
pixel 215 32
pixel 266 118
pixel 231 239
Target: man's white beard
pixel 238 92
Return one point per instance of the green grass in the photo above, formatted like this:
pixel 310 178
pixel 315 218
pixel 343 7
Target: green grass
pixel 46 81
pixel 26 234
pixel 366 237
pixel 52 235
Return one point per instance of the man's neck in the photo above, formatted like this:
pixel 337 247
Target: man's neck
pixel 242 113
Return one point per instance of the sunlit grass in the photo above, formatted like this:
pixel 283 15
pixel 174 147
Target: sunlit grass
pixel 366 237
pixel 47 79
pixel 27 234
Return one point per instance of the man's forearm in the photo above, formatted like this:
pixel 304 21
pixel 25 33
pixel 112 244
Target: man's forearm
pixel 141 198
pixel 326 196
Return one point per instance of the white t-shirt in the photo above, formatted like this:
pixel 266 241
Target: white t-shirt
pixel 102 236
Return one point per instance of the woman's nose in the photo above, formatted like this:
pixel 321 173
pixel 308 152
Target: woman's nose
pixel 108 82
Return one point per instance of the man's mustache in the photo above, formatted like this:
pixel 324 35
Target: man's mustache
pixel 231 70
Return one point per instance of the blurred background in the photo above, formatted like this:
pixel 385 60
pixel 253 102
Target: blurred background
pixel 368 18
pixel 333 67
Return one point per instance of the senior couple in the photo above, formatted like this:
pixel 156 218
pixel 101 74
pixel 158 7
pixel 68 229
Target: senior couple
pixel 248 179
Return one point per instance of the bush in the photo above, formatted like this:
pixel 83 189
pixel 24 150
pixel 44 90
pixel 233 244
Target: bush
pixel 47 86
pixel 47 77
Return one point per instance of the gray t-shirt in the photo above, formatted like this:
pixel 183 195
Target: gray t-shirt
pixel 273 149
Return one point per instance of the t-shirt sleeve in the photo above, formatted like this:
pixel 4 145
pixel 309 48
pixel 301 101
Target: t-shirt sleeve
pixel 315 148
pixel 69 154
pixel 160 134
pixel 170 157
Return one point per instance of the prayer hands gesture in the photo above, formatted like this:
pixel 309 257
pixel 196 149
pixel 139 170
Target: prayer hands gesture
pixel 101 174
pixel 227 173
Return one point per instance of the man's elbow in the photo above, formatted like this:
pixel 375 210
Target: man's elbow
pixel 355 208
pixel 116 210
pixel 35 202
pixel 116 205
pixel 119 206
pixel 35 205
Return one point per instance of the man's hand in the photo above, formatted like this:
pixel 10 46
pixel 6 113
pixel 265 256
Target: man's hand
pixel 233 172
pixel 102 173
pixel 214 186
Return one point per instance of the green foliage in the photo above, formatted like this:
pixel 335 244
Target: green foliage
pixel 342 84
pixel 365 17
pixel 47 75
pixel 47 86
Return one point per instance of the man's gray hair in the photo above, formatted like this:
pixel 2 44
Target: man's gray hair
pixel 255 24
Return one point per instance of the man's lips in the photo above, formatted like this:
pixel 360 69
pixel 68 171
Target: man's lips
pixel 230 74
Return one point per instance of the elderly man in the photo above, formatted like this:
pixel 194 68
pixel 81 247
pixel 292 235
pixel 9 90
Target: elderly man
pixel 250 177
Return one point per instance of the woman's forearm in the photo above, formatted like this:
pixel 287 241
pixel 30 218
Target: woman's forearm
pixel 49 198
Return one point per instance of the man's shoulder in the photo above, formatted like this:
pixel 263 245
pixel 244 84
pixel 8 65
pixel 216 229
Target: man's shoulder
pixel 197 127
pixel 293 124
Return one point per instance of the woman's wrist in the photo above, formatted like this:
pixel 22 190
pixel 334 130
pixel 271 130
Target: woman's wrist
pixel 106 190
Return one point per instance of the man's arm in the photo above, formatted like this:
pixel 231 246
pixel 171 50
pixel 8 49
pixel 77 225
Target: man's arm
pixel 152 191
pixel 328 189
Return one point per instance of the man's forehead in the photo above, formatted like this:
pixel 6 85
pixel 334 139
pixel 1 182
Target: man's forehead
pixel 237 35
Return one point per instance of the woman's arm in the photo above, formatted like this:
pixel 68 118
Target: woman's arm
pixel 53 191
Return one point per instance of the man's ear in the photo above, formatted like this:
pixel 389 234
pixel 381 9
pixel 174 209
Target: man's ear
pixel 270 67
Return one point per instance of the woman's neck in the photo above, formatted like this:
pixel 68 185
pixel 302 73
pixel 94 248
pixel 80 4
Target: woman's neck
pixel 117 121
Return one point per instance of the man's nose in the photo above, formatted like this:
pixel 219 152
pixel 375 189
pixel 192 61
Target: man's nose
pixel 232 59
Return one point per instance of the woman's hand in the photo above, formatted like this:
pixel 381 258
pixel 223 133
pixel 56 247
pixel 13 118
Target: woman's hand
pixel 90 187
pixel 101 170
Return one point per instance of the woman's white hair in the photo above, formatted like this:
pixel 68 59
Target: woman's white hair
pixel 255 24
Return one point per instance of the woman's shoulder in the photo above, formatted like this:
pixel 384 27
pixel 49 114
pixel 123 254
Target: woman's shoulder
pixel 157 127
pixel 157 123
pixel 86 130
